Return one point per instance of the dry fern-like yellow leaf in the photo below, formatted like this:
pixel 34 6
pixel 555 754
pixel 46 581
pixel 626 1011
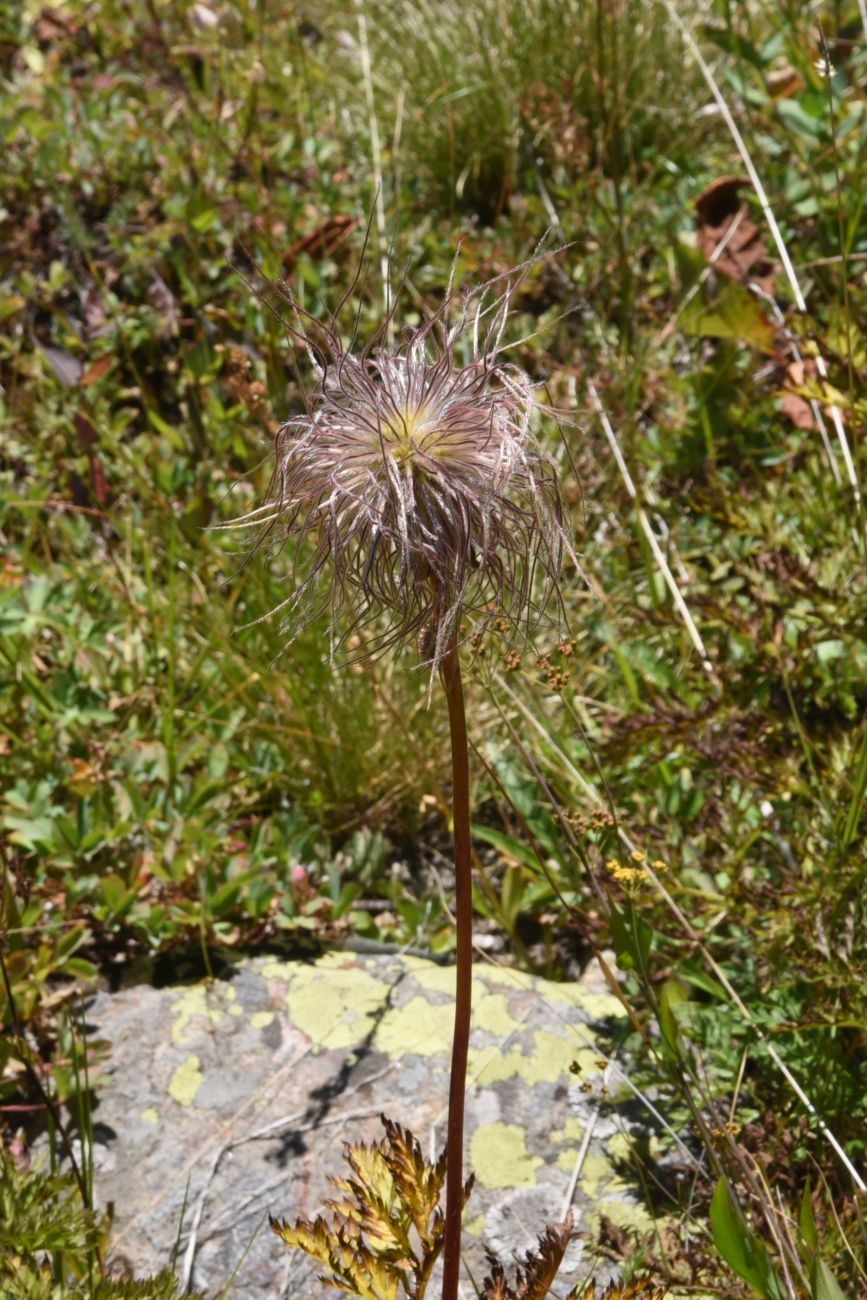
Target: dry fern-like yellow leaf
pixel 386 1229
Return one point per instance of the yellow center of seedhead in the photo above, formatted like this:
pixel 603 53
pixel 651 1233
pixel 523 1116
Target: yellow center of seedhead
pixel 405 432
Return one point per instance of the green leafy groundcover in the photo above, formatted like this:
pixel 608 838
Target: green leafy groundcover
pixel 169 781
pixel 46 1235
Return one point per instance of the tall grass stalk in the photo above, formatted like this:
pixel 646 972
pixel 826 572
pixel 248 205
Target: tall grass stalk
pixel 644 522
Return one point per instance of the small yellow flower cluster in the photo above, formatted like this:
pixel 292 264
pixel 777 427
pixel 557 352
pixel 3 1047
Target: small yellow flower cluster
pixel 631 875
pixel 625 875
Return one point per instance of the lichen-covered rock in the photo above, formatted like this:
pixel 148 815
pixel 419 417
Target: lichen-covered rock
pixel 230 1099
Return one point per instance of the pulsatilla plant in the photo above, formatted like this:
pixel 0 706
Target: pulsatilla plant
pixel 416 503
pixel 415 470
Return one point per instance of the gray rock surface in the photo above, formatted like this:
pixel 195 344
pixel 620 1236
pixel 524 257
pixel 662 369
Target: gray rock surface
pixel 230 1099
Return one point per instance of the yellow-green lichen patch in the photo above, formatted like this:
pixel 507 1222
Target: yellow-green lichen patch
pixel 150 1115
pixel 513 979
pixel 200 1000
pixel 490 1009
pixel 596 1006
pixel 421 1027
pixel 186 1082
pixel 433 978
pixel 626 1214
pixel 338 1011
pixel 595 1172
pixel 619 1147
pixel 499 1158
pixel 600 1180
pixel 548 1060
pixel 491 1013
pixel 261 1019
pixel 474 1227
pixel 273 969
pixel 572 1131
pixel 441 979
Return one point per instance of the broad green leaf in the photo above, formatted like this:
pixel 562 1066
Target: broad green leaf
pixel 804 124
pixel 823 1284
pixel 742 1251
pixel 727 39
pixel 807 1221
pixel 674 992
pixel 699 979
pixel 512 893
pixel 72 941
pixel 509 847
pixel 734 314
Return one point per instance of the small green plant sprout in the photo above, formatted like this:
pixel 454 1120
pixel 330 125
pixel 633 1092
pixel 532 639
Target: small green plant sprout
pixel 386 1229
pixel 51 1243
pixel 411 489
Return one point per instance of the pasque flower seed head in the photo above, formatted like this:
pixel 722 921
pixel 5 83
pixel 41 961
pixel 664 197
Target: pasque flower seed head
pixel 411 486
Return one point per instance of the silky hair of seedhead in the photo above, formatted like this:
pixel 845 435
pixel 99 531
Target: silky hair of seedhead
pixel 411 490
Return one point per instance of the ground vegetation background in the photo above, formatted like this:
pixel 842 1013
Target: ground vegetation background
pixel 676 770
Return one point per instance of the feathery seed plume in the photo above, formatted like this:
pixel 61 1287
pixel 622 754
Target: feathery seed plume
pixel 418 480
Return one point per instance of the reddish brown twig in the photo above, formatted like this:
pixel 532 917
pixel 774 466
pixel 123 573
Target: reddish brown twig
pixel 452 684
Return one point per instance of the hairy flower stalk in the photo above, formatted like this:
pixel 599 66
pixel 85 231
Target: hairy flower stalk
pixel 411 490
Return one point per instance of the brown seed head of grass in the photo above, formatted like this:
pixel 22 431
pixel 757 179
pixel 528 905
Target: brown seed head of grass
pixel 411 485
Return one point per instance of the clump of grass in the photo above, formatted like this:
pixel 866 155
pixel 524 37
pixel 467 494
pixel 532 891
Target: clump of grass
pixel 476 95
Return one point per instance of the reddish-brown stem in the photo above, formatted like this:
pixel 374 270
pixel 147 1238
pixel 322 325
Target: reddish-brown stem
pixel 451 679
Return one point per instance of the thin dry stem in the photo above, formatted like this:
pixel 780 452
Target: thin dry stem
pixel 695 937
pixel 452 684
pixel 664 567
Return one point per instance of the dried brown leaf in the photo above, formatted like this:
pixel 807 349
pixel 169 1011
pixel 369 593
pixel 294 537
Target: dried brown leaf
pixel 637 1288
pixel 724 224
pixel 535 1276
